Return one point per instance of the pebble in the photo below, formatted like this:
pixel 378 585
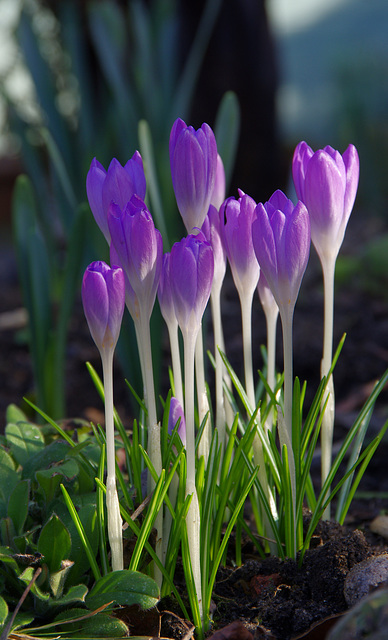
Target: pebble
pixel 380 526
pixel 365 577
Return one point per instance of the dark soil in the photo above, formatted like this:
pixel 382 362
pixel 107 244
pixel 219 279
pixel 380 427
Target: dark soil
pixel 272 599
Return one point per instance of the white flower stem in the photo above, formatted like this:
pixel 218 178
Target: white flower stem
pixel 246 317
pixel 271 318
pixel 193 517
pixel 215 301
pixel 176 361
pixel 153 447
pixel 115 534
pixel 202 399
pixel 327 428
pixel 285 425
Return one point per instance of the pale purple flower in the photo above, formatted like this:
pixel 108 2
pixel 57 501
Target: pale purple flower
pixel 327 184
pixel 165 298
pixel 117 185
pixel 212 230
pixel 191 277
pixel 193 161
pixel 281 238
pixel 103 298
pixel 176 413
pixel 218 195
pixel 267 300
pixel 139 247
pixel 237 217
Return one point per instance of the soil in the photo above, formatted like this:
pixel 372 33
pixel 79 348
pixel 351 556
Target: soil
pixel 270 598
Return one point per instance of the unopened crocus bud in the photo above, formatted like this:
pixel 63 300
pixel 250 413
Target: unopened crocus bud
pixel 193 160
pixel 139 247
pixel 117 185
pixel 218 195
pixel 238 216
pixel 103 297
pixel 176 413
pixel 191 276
pixel 166 302
pixel 327 184
pixel 212 230
pixel 281 239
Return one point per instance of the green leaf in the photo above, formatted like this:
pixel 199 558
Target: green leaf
pixel 99 625
pixel 8 476
pixel 54 543
pixel 51 454
pixel 76 593
pixel 227 130
pixel 14 414
pixel 25 440
pixel 3 610
pixel 18 505
pixel 125 588
pixel 50 479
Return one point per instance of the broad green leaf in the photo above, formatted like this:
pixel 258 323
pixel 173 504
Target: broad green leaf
pixel 18 505
pixel 124 587
pixel 14 414
pixel 54 543
pixel 95 626
pixel 6 556
pixel 50 479
pixel 8 476
pixel 227 130
pixel 3 610
pixel 52 453
pixel 25 440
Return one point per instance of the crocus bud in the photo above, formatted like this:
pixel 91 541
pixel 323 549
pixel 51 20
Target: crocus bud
pixel 281 239
pixel 327 184
pixel 166 302
pixel 117 185
pixel 139 247
pixel 267 300
pixel 218 195
pixel 191 276
pixel 103 297
pixel 238 216
pixel 176 413
pixel 212 230
pixel 193 160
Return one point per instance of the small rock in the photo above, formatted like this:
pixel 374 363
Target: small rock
pixel 368 620
pixel 380 526
pixel 365 577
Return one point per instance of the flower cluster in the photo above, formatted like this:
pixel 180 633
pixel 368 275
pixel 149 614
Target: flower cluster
pixel 267 247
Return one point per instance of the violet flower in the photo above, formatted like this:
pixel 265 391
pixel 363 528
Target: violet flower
pixel 176 413
pixel 167 309
pixel 281 238
pixel 238 216
pixel 191 276
pixel 327 183
pixel 103 297
pixel 193 161
pixel 218 195
pixel 117 185
pixel 139 247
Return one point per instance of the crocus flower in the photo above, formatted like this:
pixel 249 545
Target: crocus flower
pixel 281 239
pixel 212 230
pixel 218 195
pixel 327 184
pixel 139 247
pixel 176 413
pixel 103 297
pixel 193 160
pixel 117 185
pixel 238 216
pixel 191 275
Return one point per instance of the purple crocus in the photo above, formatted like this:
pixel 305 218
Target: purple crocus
pixel 193 160
pixel 281 239
pixel 327 184
pixel 103 297
pixel 212 230
pixel 238 216
pixel 176 413
pixel 166 302
pixel 191 276
pixel 117 185
pixel 139 247
pixel 218 195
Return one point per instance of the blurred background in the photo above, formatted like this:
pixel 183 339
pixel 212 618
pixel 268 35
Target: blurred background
pixel 77 77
